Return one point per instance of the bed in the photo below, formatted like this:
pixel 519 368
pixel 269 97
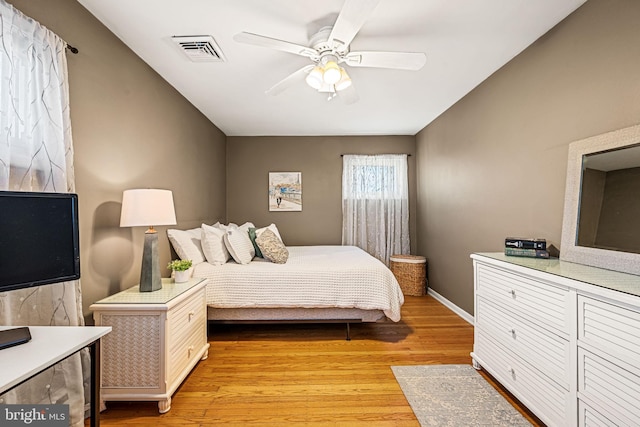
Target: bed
pixel 316 283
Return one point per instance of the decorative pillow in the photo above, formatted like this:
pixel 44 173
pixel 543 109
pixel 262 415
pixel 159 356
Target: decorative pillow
pixel 271 227
pixel 239 245
pixel 213 245
pixel 253 236
pixel 272 247
pixel 187 244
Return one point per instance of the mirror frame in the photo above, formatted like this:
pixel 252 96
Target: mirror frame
pixel 612 260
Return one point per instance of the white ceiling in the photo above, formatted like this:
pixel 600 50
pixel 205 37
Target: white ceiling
pixel 465 42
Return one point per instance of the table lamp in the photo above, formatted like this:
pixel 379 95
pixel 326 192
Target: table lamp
pixel 148 207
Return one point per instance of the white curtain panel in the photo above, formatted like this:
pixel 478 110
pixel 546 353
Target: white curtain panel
pixel 36 154
pixel 375 204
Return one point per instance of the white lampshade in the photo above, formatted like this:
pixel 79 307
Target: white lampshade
pixel 147 207
pixel 314 78
pixel 345 80
pixel 331 73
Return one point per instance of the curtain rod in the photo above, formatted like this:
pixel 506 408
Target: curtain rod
pixel 342 155
pixel 72 49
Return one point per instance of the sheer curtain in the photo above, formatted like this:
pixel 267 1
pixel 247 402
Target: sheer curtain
pixel 36 154
pixel 375 204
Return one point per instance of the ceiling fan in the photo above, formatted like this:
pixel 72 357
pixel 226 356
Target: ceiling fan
pixel 329 49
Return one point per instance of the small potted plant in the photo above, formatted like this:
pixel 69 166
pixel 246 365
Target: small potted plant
pixel 181 269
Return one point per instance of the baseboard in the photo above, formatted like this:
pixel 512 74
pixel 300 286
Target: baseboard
pixel 451 306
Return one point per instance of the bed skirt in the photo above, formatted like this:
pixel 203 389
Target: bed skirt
pixel 294 314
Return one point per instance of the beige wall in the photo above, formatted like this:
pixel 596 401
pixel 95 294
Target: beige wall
pixel 494 164
pixel 250 159
pixel 131 130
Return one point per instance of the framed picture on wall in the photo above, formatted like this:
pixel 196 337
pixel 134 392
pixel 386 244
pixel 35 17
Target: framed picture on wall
pixel 285 191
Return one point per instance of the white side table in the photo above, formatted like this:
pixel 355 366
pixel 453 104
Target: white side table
pixel 157 339
pixel 48 346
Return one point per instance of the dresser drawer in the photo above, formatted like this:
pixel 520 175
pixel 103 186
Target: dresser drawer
pixel 542 303
pixel 547 352
pixel 615 391
pixel 590 417
pixel 610 328
pixel 546 398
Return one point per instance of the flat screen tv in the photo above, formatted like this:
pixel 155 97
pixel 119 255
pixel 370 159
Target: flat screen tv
pixel 39 241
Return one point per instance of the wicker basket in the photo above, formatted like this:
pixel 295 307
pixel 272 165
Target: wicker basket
pixel 411 273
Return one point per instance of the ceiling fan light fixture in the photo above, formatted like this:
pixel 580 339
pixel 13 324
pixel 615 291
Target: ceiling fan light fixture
pixel 327 88
pixel 314 78
pixel 331 73
pixel 345 80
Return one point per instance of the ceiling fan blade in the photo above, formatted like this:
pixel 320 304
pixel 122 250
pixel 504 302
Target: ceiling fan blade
pixel 396 60
pixel 352 17
pixel 290 80
pixel 263 41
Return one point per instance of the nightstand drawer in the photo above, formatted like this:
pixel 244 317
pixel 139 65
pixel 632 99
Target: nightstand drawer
pixel 187 333
pixel 183 353
pixel 187 314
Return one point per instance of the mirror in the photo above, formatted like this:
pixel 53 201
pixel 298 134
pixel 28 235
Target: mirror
pixel 609 210
pixel 601 224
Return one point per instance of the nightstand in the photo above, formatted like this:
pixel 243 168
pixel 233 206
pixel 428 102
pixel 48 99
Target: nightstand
pixel 157 339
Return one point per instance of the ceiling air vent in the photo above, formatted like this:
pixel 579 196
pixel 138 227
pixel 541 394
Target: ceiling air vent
pixel 199 48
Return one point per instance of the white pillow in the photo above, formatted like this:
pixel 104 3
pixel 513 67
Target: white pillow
pixel 233 226
pixel 213 246
pixel 224 227
pixel 271 227
pixel 239 245
pixel 187 244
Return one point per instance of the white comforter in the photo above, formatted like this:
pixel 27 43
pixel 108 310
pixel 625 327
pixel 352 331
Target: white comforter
pixel 313 277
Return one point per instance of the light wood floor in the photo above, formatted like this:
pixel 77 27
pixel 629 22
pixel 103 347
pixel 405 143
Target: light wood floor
pixel 275 375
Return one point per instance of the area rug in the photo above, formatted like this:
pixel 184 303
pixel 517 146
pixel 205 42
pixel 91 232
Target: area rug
pixel 454 395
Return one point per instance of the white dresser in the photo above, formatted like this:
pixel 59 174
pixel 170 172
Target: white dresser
pixel 564 338
pixel 157 339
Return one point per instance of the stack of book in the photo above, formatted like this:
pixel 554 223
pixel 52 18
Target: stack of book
pixel 527 247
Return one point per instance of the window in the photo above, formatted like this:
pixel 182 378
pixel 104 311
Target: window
pixel 375 204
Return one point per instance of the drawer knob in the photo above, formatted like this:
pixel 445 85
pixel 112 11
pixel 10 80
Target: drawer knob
pixel 190 350
pixel 511 371
pixel 513 333
pixel 191 314
pixel 513 293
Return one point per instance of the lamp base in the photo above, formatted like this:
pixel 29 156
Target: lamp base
pixel 150 279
